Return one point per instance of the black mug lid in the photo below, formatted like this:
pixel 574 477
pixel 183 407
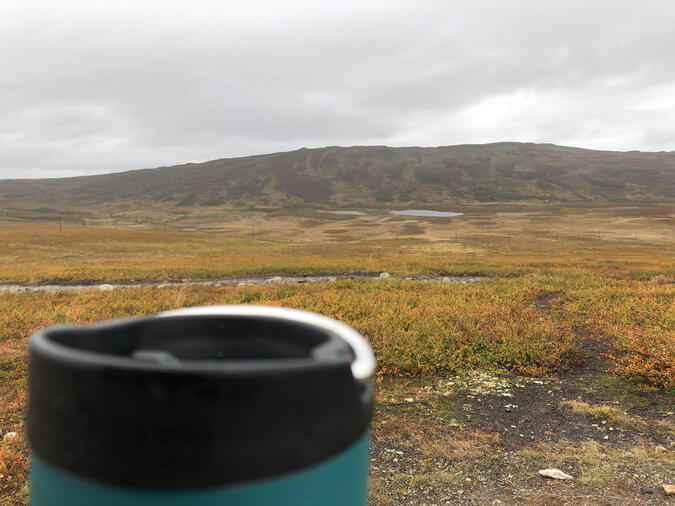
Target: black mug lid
pixel 198 397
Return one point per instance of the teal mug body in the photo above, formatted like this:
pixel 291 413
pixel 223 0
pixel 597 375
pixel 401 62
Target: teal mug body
pixel 224 405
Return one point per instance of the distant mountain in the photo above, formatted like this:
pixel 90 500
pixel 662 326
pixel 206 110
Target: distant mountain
pixel 370 176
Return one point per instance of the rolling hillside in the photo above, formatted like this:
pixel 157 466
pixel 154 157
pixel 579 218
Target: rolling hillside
pixel 369 176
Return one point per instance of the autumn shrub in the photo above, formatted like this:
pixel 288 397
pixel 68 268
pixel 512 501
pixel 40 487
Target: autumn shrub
pixel 414 328
pixel 637 319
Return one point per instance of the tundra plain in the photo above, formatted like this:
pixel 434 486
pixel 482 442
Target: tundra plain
pixel 563 355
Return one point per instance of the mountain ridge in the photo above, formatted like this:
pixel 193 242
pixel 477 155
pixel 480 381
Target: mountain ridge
pixel 374 176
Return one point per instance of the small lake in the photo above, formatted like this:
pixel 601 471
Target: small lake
pixel 425 212
pixel 352 213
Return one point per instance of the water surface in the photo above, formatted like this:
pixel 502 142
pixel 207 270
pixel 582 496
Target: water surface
pixel 425 212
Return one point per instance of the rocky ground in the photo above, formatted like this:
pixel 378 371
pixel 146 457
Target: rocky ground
pixel 234 281
pixel 482 439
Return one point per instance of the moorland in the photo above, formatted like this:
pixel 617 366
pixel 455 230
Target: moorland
pixel 524 334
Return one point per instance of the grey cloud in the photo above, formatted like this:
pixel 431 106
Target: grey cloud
pixel 94 86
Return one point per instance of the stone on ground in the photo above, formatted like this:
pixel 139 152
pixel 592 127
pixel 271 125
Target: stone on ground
pixel 555 474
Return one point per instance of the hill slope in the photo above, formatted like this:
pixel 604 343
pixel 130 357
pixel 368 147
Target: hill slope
pixel 375 176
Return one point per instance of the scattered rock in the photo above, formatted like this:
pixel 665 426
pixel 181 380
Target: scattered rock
pixel 275 279
pixel 660 448
pixel 105 287
pixel 385 275
pixel 555 474
pixel 409 399
pixel 647 490
pixel 669 489
pixel 9 435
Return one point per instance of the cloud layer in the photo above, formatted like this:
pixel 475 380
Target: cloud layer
pixel 94 86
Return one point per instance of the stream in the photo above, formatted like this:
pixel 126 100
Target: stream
pixel 235 281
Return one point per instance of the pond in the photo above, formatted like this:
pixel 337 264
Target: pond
pixel 425 212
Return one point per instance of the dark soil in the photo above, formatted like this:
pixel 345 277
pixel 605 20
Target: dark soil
pixel 511 438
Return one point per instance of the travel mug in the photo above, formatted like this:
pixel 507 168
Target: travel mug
pixel 223 405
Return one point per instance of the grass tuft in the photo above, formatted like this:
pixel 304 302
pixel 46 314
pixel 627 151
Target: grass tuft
pixel 602 412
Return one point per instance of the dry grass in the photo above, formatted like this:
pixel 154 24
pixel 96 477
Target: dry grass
pixel 597 465
pixel 520 238
pixel 602 412
pixel 458 446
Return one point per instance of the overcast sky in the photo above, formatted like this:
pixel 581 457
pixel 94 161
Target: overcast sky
pixel 98 86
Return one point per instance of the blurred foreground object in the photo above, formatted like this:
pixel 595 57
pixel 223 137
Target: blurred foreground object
pixel 245 405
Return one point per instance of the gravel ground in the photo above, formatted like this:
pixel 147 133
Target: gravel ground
pixel 481 439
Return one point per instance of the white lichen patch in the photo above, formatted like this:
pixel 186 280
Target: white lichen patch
pixel 476 384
